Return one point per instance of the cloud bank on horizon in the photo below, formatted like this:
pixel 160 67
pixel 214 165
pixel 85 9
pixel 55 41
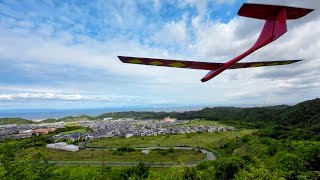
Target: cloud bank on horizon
pixel 63 54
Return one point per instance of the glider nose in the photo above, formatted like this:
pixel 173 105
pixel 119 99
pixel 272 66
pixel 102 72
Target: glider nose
pixel 210 75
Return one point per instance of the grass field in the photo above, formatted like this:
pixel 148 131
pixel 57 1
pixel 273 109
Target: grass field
pixel 205 140
pixel 79 172
pixel 202 123
pixel 178 156
pixel 82 130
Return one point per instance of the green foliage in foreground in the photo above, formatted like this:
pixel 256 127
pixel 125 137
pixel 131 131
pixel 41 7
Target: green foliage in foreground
pixel 286 146
pixel 251 156
pixel 36 166
pixel 281 159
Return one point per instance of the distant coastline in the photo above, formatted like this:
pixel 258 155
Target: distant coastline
pixel 41 114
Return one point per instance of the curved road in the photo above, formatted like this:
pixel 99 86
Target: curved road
pixel 210 155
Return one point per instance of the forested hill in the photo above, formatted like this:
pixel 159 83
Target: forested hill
pixel 18 121
pixel 304 114
pixel 70 119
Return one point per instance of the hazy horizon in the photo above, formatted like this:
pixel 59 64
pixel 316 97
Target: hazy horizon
pixel 45 113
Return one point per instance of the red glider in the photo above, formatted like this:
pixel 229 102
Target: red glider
pixel 275 26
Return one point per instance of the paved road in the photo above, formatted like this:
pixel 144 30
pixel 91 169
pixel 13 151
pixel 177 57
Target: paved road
pixel 210 155
pixel 122 164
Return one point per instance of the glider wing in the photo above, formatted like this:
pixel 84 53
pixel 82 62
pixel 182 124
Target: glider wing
pixel 199 65
pixel 171 63
pixel 263 63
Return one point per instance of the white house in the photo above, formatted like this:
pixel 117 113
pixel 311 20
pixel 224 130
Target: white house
pixel 63 146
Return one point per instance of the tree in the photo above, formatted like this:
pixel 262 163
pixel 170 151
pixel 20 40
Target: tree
pixel 7 154
pixel 140 171
pixel 227 167
pixel 190 173
pixel 104 171
pixel 258 173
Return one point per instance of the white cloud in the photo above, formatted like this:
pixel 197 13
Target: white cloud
pixel 201 5
pixel 50 96
pixel 213 41
pixel 157 5
pixel 219 40
pixel 225 1
pixel 172 33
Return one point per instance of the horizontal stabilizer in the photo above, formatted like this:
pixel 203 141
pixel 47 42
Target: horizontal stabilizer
pixel 263 11
pixel 199 65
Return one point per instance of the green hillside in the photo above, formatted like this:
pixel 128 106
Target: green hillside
pixel 71 119
pixel 301 115
pixel 216 113
pixel 18 121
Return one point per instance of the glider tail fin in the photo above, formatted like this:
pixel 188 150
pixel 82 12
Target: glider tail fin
pixel 274 28
pixel 276 19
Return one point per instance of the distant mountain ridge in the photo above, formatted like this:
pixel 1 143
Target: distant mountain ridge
pixel 45 113
pixel 303 115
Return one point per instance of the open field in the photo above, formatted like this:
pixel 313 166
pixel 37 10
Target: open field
pixel 178 156
pixel 205 140
pixel 77 172
pixel 82 130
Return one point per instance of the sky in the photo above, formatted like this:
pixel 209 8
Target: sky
pixel 63 54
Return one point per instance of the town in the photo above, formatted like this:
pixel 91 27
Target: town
pixel 108 128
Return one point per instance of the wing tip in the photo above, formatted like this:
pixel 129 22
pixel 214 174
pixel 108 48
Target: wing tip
pixel 295 61
pixel 298 60
pixel 122 58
